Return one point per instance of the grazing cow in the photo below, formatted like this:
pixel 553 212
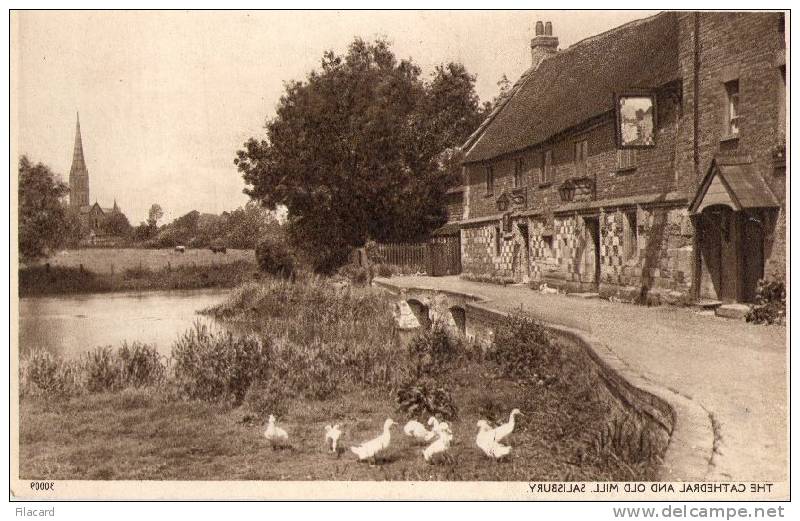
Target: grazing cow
pixel 180 249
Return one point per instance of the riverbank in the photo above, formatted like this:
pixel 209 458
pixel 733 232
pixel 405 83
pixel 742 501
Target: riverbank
pixel 60 280
pixel 322 355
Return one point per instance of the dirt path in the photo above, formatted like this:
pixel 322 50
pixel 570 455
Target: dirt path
pixel 735 370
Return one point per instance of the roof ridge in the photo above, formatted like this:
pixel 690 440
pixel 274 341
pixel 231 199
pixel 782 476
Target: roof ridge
pixel 632 23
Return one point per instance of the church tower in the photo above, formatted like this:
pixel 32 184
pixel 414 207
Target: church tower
pixel 78 175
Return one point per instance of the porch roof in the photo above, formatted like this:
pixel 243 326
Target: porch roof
pixel 733 181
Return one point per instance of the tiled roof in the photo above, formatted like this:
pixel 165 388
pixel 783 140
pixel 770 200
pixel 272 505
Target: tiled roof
pixel 744 185
pixel 578 83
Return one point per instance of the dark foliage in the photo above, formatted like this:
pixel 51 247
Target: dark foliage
pixel 770 305
pixel 434 351
pixel 426 399
pixel 523 349
pixel 274 256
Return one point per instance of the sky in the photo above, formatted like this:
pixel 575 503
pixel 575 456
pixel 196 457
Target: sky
pixel 167 98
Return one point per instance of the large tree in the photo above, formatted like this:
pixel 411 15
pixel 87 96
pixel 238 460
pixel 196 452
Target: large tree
pixel 354 151
pixel 42 218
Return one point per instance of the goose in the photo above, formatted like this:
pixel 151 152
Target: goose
pixel 488 444
pixel 332 434
pixel 274 434
pixel 433 422
pixel 507 428
pixel 441 445
pixel 369 449
pixel 418 431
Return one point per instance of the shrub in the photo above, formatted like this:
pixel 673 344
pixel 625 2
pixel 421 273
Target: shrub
pixel 426 399
pixel 434 351
pixel 386 270
pixel 103 370
pixel 357 275
pixel 770 305
pixel 265 397
pixel 41 373
pixel 524 349
pixel 218 366
pixel 140 365
pixel 274 256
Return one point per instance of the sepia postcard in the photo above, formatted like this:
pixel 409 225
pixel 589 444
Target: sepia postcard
pixel 474 255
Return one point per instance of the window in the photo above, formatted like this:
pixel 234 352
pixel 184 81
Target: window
pixel 636 120
pixel 489 180
pixel 547 166
pixel 630 247
pixel 581 157
pixel 519 172
pixel 732 118
pixel 497 240
pixel 626 159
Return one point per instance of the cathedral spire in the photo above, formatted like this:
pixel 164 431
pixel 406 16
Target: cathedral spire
pixel 78 174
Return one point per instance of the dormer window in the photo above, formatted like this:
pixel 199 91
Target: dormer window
pixel 732 117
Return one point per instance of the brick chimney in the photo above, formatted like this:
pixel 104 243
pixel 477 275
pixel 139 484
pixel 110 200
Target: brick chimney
pixel 544 44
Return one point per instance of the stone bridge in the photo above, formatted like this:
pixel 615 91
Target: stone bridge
pixel 690 447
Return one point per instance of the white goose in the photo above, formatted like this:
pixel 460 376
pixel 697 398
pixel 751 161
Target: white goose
pixel 274 434
pixel 418 431
pixel 371 448
pixel 332 435
pixel 507 428
pixel 441 445
pixel 433 422
pixel 488 444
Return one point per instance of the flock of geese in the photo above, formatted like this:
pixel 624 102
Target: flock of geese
pixel 439 438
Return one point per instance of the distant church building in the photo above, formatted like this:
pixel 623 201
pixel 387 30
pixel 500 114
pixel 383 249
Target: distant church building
pixel 93 215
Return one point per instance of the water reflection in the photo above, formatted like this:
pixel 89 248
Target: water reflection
pixel 70 326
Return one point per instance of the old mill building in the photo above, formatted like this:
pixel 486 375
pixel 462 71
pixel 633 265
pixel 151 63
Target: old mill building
pixel 648 160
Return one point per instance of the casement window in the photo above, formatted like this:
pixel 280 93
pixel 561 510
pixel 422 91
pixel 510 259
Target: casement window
pixel 626 159
pixel 732 117
pixel 581 157
pixel 519 172
pixel 547 167
pixel 489 180
pixel 630 242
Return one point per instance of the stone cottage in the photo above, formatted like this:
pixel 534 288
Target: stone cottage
pixel 647 161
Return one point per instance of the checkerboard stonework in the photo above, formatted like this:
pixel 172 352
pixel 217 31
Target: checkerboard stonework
pixel 660 256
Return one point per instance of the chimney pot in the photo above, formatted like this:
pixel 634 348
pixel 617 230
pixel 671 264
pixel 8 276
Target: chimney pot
pixel 548 29
pixel 539 28
pixel 544 44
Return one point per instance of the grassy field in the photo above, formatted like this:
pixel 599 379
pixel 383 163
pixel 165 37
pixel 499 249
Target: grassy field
pixel 115 260
pixel 323 355
pixel 103 270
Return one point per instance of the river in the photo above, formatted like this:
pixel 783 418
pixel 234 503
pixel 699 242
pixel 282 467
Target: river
pixel 68 326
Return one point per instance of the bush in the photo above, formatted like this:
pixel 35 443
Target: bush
pixel 218 366
pixel 434 351
pixel 770 305
pixel 140 365
pixel 274 256
pixel 357 275
pixel 386 270
pixel 426 399
pixel 102 370
pixel 524 349
pixel 41 373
